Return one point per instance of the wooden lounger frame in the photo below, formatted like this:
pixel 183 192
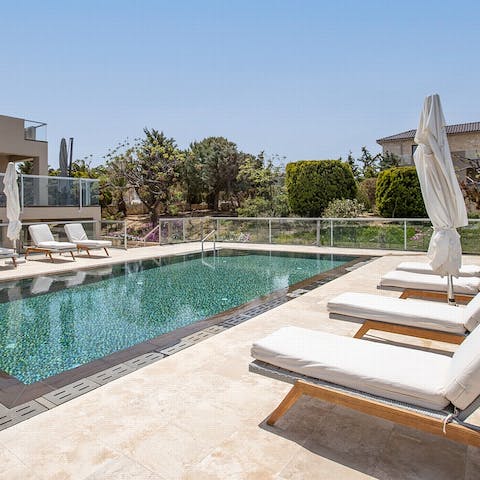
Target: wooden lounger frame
pixel 47 251
pixel 433 295
pixel 87 249
pixel 410 331
pixel 455 338
pixel 435 425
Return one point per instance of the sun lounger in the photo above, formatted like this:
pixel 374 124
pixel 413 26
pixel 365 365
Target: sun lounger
pixel 418 318
pixel 421 267
pixel 76 234
pixel 9 253
pixel 45 243
pixel 429 286
pixel 427 391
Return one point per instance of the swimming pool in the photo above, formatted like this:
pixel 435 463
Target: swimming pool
pixel 54 323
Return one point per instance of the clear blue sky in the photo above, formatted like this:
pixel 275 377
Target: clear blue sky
pixel 304 79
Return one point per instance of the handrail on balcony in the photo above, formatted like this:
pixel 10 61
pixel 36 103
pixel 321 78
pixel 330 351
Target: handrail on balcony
pixel 53 191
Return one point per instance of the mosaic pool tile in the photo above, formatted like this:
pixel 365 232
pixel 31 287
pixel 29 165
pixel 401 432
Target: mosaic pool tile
pixel 67 324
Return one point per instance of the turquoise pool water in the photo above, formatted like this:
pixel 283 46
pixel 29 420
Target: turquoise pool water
pixel 55 323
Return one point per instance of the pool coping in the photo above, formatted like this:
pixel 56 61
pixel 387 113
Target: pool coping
pixel 19 401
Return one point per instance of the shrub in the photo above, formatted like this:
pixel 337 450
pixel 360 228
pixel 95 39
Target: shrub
pixel 398 193
pixel 312 184
pixel 366 192
pixel 344 208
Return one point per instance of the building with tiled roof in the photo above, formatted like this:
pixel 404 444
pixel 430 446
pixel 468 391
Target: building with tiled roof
pixel 463 138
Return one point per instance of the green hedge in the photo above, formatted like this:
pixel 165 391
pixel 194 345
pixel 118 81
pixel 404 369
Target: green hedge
pixel 398 193
pixel 312 184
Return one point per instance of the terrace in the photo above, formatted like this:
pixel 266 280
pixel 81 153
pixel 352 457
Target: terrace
pixel 198 413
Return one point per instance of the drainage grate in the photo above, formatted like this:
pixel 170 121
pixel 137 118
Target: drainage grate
pixel 142 360
pixel 20 413
pixel 176 348
pixel 111 374
pixel 197 336
pixel 297 293
pixel 76 389
pixel 214 329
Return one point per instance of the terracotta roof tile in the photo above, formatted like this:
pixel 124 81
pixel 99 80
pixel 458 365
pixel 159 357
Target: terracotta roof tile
pixel 451 130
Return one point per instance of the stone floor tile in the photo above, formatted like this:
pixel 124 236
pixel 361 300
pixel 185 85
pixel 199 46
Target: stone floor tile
pixel 472 468
pixel 348 438
pixel 12 468
pixel 72 457
pixel 122 468
pixel 252 453
pixel 411 455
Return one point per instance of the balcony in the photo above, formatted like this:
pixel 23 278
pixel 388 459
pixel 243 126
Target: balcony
pixel 35 131
pixel 49 191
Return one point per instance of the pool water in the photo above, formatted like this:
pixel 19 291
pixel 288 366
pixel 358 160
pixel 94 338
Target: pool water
pixel 54 323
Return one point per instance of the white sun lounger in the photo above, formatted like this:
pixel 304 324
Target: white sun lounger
pixel 9 253
pixel 423 390
pixel 400 280
pixel 45 242
pixel 421 267
pixel 419 318
pixel 76 234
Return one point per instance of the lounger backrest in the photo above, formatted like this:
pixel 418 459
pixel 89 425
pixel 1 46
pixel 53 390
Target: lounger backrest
pixel 463 381
pixel 40 233
pixel 75 232
pixel 471 313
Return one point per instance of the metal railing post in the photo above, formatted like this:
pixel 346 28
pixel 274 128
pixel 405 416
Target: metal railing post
pixel 159 232
pixel 183 229
pixel 80 193
pixel 125 240
pixel 404 234
pixel 22 192
pixel 318 233
pixel 269 230
pixel 331 233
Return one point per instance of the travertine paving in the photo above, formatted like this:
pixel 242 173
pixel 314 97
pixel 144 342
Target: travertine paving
pixel 200 414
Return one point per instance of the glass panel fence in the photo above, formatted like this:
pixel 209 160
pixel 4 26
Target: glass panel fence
pixel 90 192
pixel 295 232
pixel 50 191
pixel 114 231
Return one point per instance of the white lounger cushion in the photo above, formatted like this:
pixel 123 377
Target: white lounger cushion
pixel 463 385
pixel 94 243
pixel 7 252
pixel 415 313
pixel 471 313
pixel 42 237
pixel 398 373
pixel 401 279
pixel 76 234
pixel 420 267
pixel 53 245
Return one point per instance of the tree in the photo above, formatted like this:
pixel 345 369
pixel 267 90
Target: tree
pixel 388 160
pixel 312 184
pixel 219 162
pixel 353 165
pixel 263 187
pixel 151 166
pixel 369 165
pixel 398 193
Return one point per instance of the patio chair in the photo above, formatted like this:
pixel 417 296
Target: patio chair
pixel 429 286
pixel 9 253
pixel 76 234
pixel 423 390
pixel 421 267
pixel 44 242
pixel 417 318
